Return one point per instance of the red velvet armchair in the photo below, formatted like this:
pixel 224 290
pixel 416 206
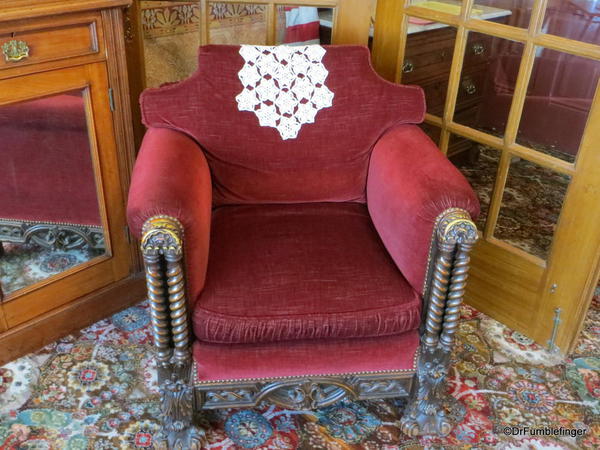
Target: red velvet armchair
pixel 303 239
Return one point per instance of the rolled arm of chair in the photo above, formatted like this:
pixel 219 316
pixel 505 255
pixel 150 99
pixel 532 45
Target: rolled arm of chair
pixel 422 206
pixel 171 187
pixel 170 177
pixel 410 186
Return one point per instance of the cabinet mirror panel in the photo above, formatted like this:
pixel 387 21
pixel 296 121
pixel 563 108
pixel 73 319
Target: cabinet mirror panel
pixel 50 220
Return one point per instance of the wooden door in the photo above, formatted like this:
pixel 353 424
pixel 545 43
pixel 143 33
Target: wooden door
pixel 539 113
pixel 62 119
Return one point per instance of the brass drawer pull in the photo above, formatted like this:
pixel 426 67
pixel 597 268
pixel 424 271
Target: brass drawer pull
pixel 469 86
pixel 15 50
pixel 408 66
pixel 478 49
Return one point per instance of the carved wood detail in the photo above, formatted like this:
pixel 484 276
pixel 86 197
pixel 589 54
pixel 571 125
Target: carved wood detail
pixel 430 410
pixel 304 393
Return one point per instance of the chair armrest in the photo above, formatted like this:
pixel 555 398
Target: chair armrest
pixel 171 178
pixel 410 184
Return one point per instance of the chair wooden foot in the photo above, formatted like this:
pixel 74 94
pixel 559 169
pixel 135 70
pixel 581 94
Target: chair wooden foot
pixel 177 411
pixel 431 410
pixel 190 438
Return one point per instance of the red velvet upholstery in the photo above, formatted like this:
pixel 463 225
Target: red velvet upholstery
pixel 216 362
pixel 410 184
pixel 47 173
pixel 294 252
pixel 328 161
pixel 285 272
pixel 171 177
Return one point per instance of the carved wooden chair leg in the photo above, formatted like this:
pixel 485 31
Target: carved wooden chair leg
pixel 162 247
pixel 430 409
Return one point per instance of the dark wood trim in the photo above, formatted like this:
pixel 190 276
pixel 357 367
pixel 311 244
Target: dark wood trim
pixel 71 317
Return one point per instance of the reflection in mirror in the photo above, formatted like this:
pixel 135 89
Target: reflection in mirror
pixel 427 60
pixel 445 6
pixel 480 172
pixel 497 10
pixel 573 19
pixel 49 216
pixel 516 13
pixel 487 83
pixel 531 204
pixel 559 98
pixel 303 25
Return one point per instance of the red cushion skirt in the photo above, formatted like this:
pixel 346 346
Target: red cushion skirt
pixel 303 271
pixel 221 362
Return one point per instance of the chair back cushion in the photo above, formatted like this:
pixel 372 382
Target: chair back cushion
pixel 284 124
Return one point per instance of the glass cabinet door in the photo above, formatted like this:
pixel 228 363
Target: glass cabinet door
pixel 59 190
pixel 49 213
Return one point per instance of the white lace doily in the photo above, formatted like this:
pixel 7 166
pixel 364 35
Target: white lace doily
pixel 284 86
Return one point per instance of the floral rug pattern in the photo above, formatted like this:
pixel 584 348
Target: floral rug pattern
pixel 24 265
pixel 531 203
pixel 98 390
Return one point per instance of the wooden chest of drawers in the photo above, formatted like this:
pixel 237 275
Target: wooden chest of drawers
pixel 427 62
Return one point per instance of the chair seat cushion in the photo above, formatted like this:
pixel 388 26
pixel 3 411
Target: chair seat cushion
pixel 301 271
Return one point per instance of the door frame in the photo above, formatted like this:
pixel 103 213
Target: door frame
pixel 507 283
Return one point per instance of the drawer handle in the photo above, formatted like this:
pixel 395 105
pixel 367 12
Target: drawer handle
pixel 469 86
pixel 478 49
pixel 15 50
pixel 408 67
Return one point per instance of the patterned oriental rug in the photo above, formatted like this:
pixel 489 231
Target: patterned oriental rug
pixel 98 390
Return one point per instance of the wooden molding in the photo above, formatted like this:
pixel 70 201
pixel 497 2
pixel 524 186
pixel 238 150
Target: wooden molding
pixel 43 330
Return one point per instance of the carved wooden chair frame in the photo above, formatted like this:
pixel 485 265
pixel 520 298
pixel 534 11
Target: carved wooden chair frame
pixel 430 409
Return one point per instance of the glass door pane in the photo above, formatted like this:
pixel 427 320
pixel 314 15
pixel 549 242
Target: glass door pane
pixel 50 220
pixel 304 25
pixel 559 98
pixel 531 204
pixel 516 13
pixel 573 19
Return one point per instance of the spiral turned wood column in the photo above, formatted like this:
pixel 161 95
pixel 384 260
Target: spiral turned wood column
pixel 458 283
pixel 430 410
pixel 158 309
pixel 437 297
pixel 178 308
pixel 162 248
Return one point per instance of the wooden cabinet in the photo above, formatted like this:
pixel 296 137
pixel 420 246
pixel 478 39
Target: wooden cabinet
pixel 66 150
pixel 427 62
